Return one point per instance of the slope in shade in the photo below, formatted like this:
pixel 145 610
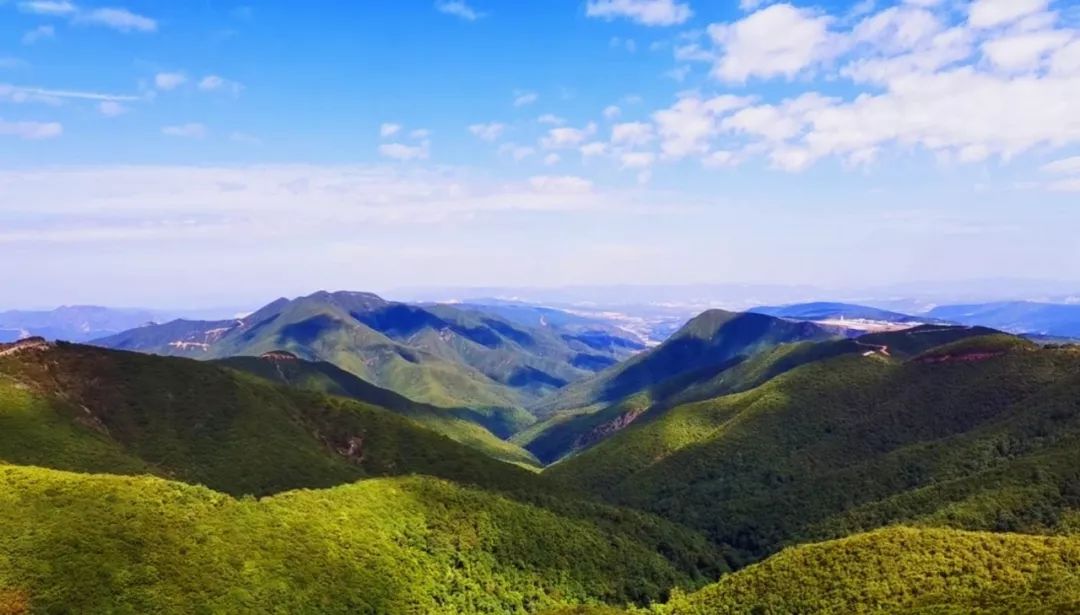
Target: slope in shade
pixel 459 424
pixel 588 411
pixel 89 409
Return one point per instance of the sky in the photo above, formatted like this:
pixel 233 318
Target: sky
pixel 207 152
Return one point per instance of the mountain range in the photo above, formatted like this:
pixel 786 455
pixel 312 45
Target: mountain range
pixel 437 354
pixel 343 453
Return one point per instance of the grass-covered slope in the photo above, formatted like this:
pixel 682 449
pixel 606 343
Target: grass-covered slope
pixel 983 433
pixel 903 570
pixel 459 424
pixel 89 409
pixel 96 544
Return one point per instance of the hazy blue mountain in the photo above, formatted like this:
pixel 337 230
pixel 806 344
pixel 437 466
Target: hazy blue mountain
pixel 1046 319
pixel 73 323
pixel 825 310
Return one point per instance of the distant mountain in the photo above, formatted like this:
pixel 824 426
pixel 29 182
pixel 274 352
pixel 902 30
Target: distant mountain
pixel 1048 319
pixel 819 311
pixel 589 410
pixel 76 323
pixel 980 433
pixel 440 354
pixel 459 424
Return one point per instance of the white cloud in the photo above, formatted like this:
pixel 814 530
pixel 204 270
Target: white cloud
pixel 552 159
pixel 720 159
pixel 216 83
pixel 551 120
pixel 565 137
pixel 991 13
pixel 389 129
pixel 637 160
pixel 524 98
pixel 169 81
pixel 488 132
pixel 111 108
pixel 118 19
pixel 22 94
pixel 458 8
pixel 595 148
pixel 48 7
pixel 632 133
pixel 779 40
pixel 31 131
pixel 645 12
pixel 404 153
pixel 191 130
pixel 686 127
pixel 562 184
pixel 1066 61
pixel 611 112
pixel 39 33
pixel 1024 51
pixel 1065 166
pixel 115 18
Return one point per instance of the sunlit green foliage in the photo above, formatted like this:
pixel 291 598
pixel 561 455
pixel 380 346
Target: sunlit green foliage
pixel 91 544
pixel 983 441
pixel 901 570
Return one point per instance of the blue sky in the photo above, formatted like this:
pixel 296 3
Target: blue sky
pixel 186 153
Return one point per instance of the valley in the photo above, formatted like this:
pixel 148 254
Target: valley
pixel 697 475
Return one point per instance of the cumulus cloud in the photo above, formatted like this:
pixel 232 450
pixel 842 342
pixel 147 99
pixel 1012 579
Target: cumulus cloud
pixel 389 129
pixel 169 81
pixel 779 40
pixel 404 152
pixel 632 133
pixel 566 137
pixel 991 13
pixel 560 184
pixel 993 85
pixel 216 83
pixel 645 12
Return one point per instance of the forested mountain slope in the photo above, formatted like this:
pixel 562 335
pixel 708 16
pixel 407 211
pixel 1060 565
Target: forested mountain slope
pixel 99 543
pixel 983 433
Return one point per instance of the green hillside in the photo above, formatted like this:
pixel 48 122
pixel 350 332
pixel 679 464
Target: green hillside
pixel 459 424
pixel 903 570
pixel 588 411
pixel 983 433
pixel 94 544
pixel 88 409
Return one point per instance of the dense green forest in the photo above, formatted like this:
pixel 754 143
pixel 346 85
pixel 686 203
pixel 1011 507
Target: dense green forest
pixel 765 469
